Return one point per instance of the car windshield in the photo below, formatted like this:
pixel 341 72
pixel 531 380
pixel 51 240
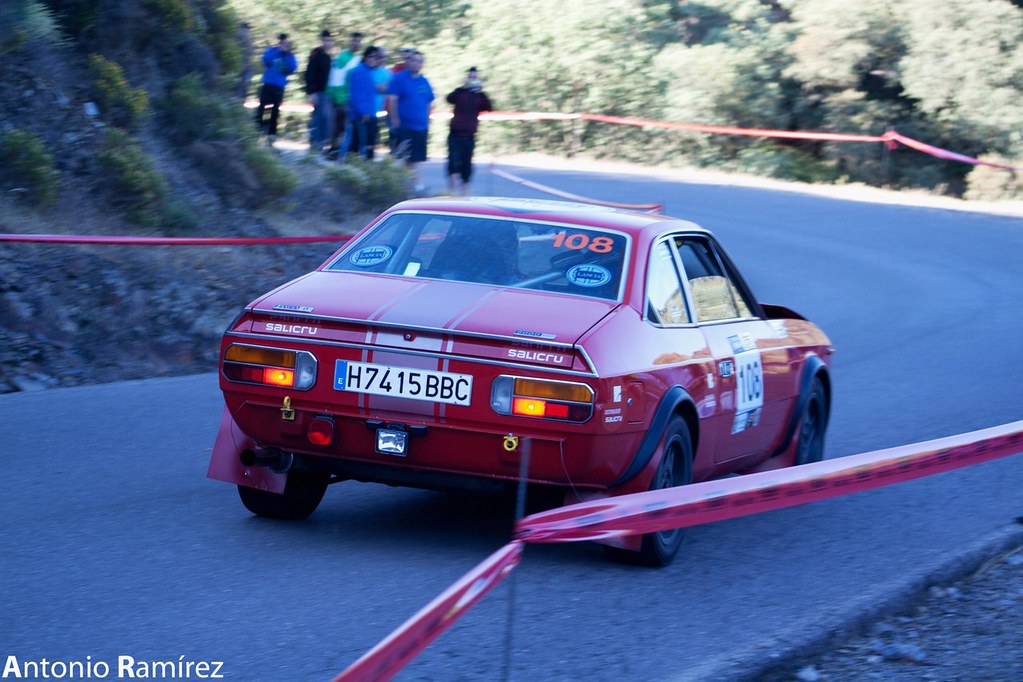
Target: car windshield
pixel 567 259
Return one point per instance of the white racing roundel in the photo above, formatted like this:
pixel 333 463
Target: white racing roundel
pixel 588 275
pixel 368 256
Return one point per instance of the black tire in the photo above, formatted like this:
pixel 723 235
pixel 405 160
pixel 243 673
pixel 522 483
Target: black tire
pixel 812 425
pixel 675 469
pixel 302 494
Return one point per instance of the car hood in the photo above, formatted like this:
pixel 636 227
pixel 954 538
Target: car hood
pixel 437 305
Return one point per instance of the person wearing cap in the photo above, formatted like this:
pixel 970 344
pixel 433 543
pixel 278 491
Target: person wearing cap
pixel 280 63
pixel 468 100
pixel 317 71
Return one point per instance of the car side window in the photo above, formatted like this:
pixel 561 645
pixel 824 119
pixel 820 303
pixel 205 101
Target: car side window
pixel 714 292
pixel 665 301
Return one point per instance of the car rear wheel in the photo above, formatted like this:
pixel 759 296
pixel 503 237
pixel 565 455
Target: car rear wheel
pixel 302 494
pixel 675 469
pixel 810 446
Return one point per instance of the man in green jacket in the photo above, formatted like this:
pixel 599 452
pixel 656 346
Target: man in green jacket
pixel 337 91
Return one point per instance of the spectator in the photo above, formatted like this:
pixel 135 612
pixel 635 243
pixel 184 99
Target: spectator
pixel 363 93
pixel 317 72
pixel 406 52
pixel 382 76
pixel 411 99
pixel 468 100
pixel 337 90
pixel 392 134
pixel 279 63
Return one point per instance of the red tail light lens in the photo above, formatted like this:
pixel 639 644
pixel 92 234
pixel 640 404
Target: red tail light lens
pixel 320 431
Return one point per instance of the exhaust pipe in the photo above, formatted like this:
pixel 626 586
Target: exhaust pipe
pixel 274 459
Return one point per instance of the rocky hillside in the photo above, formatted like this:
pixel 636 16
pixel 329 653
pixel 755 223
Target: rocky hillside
pixel 116 117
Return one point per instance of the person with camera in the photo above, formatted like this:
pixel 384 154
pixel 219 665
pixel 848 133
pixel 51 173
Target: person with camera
pixel 468 100
pixel 280 63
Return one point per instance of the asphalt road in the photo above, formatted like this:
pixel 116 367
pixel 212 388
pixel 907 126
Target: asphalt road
pixel 115 544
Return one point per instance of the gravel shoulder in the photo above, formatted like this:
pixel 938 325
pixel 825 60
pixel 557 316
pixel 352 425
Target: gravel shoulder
pixel 965 627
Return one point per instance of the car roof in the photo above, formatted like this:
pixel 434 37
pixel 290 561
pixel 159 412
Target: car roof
pixel 630 222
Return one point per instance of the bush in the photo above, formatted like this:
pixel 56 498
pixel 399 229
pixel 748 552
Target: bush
pixel 190 113
pixel 371 186
pixel 128 178
pixel 276 179
pixel 25 165
pixel 985 183
pixel 122 104
pixel 172 14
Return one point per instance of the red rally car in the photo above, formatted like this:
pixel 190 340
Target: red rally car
pixel 623 349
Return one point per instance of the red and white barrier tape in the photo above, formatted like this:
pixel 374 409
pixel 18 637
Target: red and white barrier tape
pixel 681 507
pixel 891 138
pixel 388 657
pixel 731 498
pixel 107 240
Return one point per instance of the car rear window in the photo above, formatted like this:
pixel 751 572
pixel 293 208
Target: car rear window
pixel 568 259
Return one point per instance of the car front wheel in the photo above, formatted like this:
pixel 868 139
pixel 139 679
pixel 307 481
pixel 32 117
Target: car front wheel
pixel 302 494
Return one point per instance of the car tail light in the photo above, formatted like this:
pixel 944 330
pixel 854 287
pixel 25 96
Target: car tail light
pixel 321 431
pixel 270 366
pixel 541 399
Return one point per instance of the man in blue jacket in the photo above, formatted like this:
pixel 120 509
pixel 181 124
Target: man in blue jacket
pixel 411 97
pixel 363 94
pixel 279 62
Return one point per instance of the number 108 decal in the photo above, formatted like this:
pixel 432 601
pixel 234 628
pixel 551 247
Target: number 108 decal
pixel 749 381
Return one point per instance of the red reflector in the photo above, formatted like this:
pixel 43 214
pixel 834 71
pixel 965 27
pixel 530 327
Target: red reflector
pixel 320 431
pixel 529 407
pixel 279 377
pixel 557 411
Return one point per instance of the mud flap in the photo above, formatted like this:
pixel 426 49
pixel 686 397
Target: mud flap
pixel 226 465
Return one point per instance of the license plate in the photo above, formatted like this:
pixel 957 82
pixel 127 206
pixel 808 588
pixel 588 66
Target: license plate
pixel 403 382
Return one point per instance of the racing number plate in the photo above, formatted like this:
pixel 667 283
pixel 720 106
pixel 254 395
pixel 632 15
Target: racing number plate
pixel 403 382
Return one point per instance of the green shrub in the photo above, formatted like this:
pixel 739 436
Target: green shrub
pixel 222 24
pixel 128 179
pixel 171 14
pixel 26 165
pixel 30 24
pixel 190 113
pixel 985 183
pixel 370 185
pixel 276 179
pixel 122 104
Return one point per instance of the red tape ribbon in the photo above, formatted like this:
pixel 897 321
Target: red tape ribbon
pixel 388 657
pixel 166 241
pixel 731 498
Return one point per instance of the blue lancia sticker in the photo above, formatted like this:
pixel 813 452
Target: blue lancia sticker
pixel 368 256
pixel 588 275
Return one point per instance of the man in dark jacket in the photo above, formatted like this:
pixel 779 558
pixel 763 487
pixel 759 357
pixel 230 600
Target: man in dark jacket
pixel 316 73
pixel 468 100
